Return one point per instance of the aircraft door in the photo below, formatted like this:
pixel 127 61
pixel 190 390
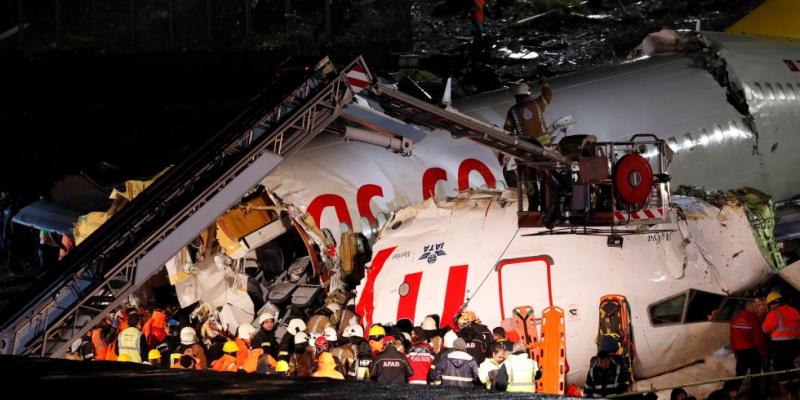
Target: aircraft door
pixel 524 281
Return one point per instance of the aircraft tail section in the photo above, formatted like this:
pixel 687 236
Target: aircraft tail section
pixel 777 18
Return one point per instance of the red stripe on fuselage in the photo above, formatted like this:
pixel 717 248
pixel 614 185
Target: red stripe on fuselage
pixel 366 305
pixel 407 307
pixel 454 298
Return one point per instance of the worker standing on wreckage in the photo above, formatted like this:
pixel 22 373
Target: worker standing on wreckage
pixel 525 120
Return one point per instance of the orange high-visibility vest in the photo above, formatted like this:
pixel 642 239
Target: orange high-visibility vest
pixel 226 363
pixel 100 345
pixel 782 323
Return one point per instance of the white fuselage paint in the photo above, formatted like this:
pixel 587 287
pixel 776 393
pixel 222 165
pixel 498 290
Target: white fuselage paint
pixel 649 268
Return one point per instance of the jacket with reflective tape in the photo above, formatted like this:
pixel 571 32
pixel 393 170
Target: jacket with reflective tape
pixel 420 357
pixel 457 369
pixel 518 374
pixel 603 382
pixel 131 342
pixel 746 333
pixel 782 323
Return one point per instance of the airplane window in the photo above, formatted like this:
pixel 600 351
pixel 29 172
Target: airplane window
pixel 702 306
pixel 729 308
pixel 669 311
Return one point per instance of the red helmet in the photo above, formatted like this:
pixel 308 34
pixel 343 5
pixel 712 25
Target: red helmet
pixel 322 344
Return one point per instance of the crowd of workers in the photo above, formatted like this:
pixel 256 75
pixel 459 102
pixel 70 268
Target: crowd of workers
pixel 332 344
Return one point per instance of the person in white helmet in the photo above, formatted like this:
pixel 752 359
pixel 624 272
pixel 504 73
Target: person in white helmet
pixel 265 337
pixel 363 356
pixel 244 335
pixel 342 350
pixel 448 341
pixel 189 346
pixel 287 345
pixel 525 120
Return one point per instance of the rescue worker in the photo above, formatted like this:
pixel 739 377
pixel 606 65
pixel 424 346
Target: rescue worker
pixel 154 358
pixel 364 361
pixel 478 337
pixel 525 119
pixel 390 366
pixel 499 335
pixel 227 363
pixel 782 324
pixel 190 347
pixel 131 341
pixel 321 345
pixel 477 15
pixel 519 373
pixel 375 339
pixel 301 361
pixel 343 353
pixel 244 333
pixel 448 341
pixel 170 344
pixel 489 368
pixel 155 329
pixel 286 347
pixel 607 375
pixel 457 368
pixel 749 346
pixel 265 337
pixel 420 358
pixel 430 325
pixel 327 367
pixel 102 336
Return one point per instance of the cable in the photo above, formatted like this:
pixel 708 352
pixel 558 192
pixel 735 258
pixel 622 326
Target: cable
pixel 466 302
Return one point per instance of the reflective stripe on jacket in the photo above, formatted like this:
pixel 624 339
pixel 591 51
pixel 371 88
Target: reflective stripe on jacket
pixel 521 374
pixel 782 323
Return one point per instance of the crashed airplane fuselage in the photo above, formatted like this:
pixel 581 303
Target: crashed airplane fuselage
pixel 436 257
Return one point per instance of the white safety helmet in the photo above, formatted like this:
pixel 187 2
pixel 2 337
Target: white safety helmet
pixel 265 316
pixel 449 338
pixel 296 325
pixel 330 334
pixel 520 89
pixel 429 324
pixel 300 338
pixel 354 330
pixel 188 336
pixel 246 331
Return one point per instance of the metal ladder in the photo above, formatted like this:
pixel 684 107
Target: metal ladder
pixel 133 245
pixel 410 109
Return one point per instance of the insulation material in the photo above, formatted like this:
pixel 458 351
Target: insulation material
pixel 90 222
pixel 187 292
pixel 236 311
pixel 240 221
pixel 179 267
pixel 230 246
pixel 211 284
